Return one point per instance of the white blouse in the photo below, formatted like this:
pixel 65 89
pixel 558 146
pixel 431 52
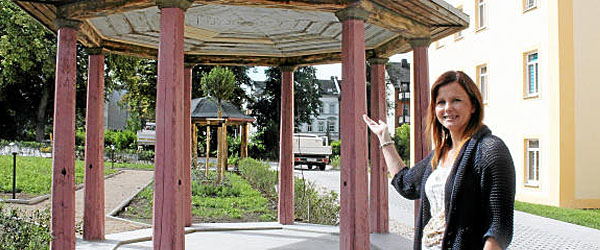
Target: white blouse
pixel 435 187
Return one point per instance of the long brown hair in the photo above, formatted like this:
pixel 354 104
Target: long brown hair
pixel 440 134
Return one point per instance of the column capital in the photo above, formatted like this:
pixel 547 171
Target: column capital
pixel 352 13
pixel 189 65
pixel 182 4
pixel 378 60
pixel 94 50
pixel 419 42
pixel 61 22
pixel 288 68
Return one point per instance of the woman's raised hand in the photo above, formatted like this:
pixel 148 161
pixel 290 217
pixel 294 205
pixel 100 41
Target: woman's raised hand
pixel 380 129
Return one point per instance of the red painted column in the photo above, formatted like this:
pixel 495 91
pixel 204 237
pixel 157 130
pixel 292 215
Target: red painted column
pixel 354 226
pixel 62 227
pixel 285 206
pixel 421 101
pixel 168 174
pixel 93 211
pixel 378 198
pixel 187 144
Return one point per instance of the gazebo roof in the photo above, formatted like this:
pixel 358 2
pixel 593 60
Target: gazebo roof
pixel 204 109
pixel 262 32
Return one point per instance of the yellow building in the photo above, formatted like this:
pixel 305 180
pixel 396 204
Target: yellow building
pixel 536 63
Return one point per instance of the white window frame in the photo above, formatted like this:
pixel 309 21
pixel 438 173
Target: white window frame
pixel 535 179
pixel 526 7
pixel 309 127
pixel 483 82
pixel 331 126
pixel 536 82
pixel 332 108
pixel 481 14
pixel 321 126
pixel 322 109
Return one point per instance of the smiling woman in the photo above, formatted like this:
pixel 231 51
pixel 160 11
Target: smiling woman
pixel 476 164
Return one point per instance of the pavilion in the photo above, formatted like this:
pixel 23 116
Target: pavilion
pixel 285 34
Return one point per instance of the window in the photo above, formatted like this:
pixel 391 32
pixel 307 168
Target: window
pixel 458 35
pixel 529 4
pixel 531 69
pixel 331 126
pixel 321 126
pixel 533 161
pixel 332 108
pixel 321 109
pixel 309 127
pixel 482 82
pixel 481 14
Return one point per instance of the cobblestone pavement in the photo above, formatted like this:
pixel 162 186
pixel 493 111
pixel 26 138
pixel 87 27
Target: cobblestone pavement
pixel 530 231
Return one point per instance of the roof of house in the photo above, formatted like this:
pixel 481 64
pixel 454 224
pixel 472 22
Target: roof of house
pixel 206 108
pixel 398 72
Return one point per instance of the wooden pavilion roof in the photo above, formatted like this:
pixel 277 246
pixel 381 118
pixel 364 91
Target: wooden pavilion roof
pixel 204 111
pixel 260 32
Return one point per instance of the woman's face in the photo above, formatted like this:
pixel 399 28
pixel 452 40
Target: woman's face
pixel 453 107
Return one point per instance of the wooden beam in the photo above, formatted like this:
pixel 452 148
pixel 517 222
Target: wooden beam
pixel 96 8
pixel 392 47
pixel 393 21
pixel 88 36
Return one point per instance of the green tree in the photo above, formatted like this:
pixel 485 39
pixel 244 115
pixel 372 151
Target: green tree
pixel 267 106
pixel 27 62
pixel 219 84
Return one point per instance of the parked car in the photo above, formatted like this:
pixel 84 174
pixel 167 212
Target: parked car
pixel 311 150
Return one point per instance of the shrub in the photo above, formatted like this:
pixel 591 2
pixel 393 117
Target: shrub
pixel 335 162
pixel 19 231
pixel 313 207
pixel 335 148
pixel 324 208
pixel 259 175
pixel 402 141
pixel 125 139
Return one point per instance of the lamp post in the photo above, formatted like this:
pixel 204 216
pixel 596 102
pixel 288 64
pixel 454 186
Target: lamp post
pixel 112 148
pixel 14 149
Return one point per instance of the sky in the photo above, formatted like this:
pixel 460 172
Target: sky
pixel 325 71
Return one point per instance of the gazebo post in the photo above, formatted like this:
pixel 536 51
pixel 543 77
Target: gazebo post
pixel 194 145
pixel 378 198
pixel 285 206
pixel 207 148
pixel 421 101
pixel 168 183
pixel 244 149
pixel 224 152
pixel 354 226
pixel 62 226
pixel 187 144
pixel 93 211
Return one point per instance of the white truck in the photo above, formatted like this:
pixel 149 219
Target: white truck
pixel 147 136
pixel 311 150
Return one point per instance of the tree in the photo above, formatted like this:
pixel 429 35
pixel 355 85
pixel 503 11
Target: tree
pixel 27 55
pixel 266 109
pixel 218 84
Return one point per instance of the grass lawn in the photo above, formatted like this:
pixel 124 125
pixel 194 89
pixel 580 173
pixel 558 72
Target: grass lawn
pixel 138 166
pixel 587 218
pixel 232 201
pixel 34 174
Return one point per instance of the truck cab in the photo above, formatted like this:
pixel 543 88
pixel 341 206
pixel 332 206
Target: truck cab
pixel 147 136
pixel 311 150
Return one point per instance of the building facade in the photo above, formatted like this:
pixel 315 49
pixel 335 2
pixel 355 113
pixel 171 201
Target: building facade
pixel 398 74
pixel 326 123
pixel 534 62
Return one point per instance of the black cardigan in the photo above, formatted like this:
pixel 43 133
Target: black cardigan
pixel 480 193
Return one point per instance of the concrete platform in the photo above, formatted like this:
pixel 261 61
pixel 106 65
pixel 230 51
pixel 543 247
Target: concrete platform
pixel 247 236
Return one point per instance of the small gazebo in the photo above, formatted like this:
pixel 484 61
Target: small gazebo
pixel 204 112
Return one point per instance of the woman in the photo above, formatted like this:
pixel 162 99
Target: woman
pixel 467 183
